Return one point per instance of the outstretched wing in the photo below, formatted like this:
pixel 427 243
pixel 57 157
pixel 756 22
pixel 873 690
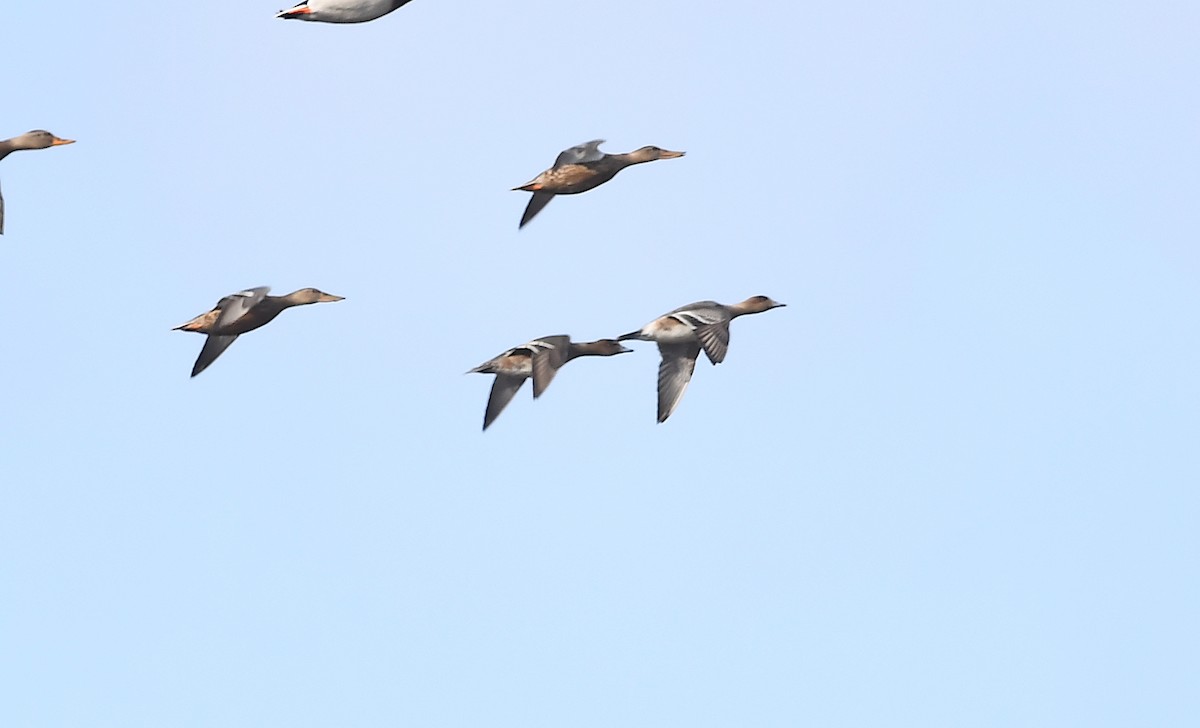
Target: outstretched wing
pixel 214 346
pixel 715 340
pixel 580 154
pixel 503 390
pixel 1 214
pixel 709 321
pixel 230 308
pixel 536 203
pixel 547 359
pixel 674 374
pixel 237 305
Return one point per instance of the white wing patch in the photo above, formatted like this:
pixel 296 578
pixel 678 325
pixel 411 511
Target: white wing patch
pixel 539 344
pixel 698 317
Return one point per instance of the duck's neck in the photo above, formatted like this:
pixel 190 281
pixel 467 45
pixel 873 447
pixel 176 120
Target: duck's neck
pixel 630 158
pixel 7 147
pixel 741 309
pixel 291 299
pixel 578 349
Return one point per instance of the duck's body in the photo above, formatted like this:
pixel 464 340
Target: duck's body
pixel 580 169
pixel 240 312
pixel 682 333
pixel 540 359
pixel 36 139
pixel 341 11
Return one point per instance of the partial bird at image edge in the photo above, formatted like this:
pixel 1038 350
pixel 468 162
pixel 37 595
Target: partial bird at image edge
pixel 36 139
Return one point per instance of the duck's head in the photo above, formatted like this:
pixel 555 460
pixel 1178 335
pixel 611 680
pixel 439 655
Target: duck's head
pixel 758 304
pixel 651 153
pixel 40 139
pixel 607 347
pixel 312 295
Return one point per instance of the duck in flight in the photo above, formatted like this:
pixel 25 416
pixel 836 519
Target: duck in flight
pixel 581 168
pixel 682 333
pixel 341 11
pixel 540 359
pixel 36 139
pixel 244 311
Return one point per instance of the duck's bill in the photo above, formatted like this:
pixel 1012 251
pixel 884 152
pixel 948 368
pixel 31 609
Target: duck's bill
pixel 528 187
pixel 668 154
pixel 330 298
pixel 58 141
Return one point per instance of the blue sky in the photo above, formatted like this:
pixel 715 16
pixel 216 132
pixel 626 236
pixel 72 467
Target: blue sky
pixel 952 483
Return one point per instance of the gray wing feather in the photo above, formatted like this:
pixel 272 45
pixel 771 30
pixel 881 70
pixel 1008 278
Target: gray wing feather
pixel 214 346
pixel 536 203
pixel 715 340
pixel 711 311
pixel 235 306
pixel 547 360
pixel 674 374
pixel 503 390
pixel 581 154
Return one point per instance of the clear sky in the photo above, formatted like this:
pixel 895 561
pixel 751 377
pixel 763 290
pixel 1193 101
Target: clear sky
pixel 953 483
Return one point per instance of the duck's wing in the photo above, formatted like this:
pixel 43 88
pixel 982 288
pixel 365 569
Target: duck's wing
pixel 714 338
pixel 549 354
pixel 674 374
pixel 536 203
pixel 709 321
pixel 703 309
pixel 237 305
pixel 230 309
pixel 580 154
pixel 214 346
pixel 1 213
pixel 503 390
